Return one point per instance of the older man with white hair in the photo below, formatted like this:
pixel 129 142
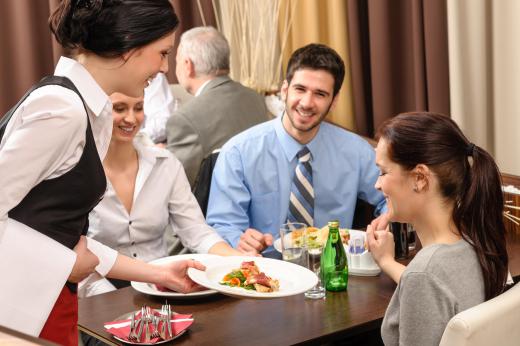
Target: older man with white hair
pixel 221 107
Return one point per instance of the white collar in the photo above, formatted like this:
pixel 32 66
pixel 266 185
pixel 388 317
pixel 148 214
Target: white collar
pixel 95 98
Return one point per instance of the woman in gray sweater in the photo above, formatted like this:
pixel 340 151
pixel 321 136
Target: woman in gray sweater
pixel 450 191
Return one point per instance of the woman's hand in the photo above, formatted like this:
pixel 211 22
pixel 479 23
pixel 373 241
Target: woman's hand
pixel 381 222
pixel 175 276
pixel 86 262
pixel 381 245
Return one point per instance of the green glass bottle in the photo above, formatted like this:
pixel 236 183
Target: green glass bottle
pixel 334 269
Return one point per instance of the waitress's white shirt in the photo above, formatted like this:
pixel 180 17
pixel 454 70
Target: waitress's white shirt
pixel 43 140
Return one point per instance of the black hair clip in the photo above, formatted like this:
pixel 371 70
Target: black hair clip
pixel 469 149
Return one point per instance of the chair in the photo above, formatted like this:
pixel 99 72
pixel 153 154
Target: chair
pixel 203 181
pixel 494 322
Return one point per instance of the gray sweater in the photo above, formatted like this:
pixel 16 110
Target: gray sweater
pixel 439 282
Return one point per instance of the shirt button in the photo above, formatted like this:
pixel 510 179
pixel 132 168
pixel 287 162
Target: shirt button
pixel 135 255
pixel 133 243
pixel 130 222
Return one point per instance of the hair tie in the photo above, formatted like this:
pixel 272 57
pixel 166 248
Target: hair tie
pixel 469 149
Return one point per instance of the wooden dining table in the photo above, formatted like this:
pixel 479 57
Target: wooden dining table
pixel 223 320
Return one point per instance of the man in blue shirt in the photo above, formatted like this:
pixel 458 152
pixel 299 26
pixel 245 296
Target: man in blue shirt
pixel 252 181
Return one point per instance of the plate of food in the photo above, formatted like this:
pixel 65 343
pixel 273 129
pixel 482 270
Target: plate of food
pixel 318 235
pixel 254 277
pixel 155 290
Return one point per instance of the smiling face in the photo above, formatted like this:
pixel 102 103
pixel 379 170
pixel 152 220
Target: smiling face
pixel 128 115
pixel 308 100
pixel 397 185
pixel 142 64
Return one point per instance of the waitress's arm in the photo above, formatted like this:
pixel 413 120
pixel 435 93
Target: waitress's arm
pixel 172 275
pixel 117 266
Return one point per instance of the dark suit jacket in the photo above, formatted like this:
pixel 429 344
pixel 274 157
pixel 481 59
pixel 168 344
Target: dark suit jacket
pixel 203 124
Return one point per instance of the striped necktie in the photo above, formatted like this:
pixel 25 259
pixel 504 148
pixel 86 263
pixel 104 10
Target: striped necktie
pixel 301 200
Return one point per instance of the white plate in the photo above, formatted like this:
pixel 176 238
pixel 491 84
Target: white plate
pixel 150 289
pixel 294 279
pixel 278 242
pixel 364 271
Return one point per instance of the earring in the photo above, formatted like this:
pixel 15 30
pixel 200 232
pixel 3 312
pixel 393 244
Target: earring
pixel 415 189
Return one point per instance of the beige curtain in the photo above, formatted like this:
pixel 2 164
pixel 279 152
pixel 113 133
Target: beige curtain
pixel 251 28
pixel 317 21
pixel 484 57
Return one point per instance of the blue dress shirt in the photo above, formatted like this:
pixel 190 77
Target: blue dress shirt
pixel 252 179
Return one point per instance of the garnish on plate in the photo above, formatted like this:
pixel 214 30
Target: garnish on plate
pixel 249 277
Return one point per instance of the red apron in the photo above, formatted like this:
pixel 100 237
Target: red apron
pixel 62 325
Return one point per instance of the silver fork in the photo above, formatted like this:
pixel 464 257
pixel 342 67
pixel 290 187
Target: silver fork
pixel 155 324
pixel 164 319
pixel 141 324
pixel 148 319
pixel 132 336
pixel 169 318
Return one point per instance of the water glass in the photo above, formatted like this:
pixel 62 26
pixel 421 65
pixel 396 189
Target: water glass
pixel 314 252
pixel 411 238
pixel 292 241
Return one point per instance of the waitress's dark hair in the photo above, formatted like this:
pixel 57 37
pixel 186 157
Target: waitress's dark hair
pixel 475 187
pixel 110 28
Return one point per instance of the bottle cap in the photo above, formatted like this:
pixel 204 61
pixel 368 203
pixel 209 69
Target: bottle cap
pixel 334 224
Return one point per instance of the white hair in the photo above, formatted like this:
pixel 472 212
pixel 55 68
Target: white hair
pixel 207 48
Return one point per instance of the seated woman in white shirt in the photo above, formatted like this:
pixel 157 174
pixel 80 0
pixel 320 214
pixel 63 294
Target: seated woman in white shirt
pixel 147 189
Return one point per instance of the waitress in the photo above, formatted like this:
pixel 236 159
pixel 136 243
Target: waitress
pixel 51 171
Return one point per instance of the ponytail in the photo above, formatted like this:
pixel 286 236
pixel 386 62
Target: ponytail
pixel 478 216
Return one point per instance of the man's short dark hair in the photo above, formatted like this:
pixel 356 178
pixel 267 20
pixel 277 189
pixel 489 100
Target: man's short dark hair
pixel 316 56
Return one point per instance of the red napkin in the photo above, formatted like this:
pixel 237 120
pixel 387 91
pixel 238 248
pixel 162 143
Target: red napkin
pixel 121 328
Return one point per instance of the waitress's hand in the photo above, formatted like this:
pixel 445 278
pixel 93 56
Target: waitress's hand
pixel 175 277
pixel 381 245
pixel 86 261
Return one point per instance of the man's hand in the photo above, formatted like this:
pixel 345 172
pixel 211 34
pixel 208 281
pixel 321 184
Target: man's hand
pixel 254 242
pixel 86 262
pixel 175 276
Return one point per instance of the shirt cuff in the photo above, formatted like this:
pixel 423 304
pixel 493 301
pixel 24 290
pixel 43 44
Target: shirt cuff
pixel 208 242
pixel 107 256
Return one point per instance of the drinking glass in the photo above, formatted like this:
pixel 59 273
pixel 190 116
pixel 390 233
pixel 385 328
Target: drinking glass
pixel 292 241
pixel 314 250
pixel 411 238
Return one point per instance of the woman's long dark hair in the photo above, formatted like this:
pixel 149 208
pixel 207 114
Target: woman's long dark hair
pixel 475 187
pixel 110 28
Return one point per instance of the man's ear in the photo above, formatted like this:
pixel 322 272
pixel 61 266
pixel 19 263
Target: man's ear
pixel 190 67
pixel 284 89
